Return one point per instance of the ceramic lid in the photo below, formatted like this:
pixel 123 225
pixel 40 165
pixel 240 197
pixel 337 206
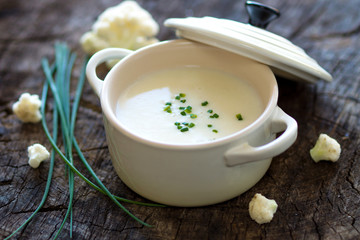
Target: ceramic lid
pixel 284 58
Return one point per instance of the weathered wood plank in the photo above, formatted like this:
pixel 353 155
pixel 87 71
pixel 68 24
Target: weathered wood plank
pixel 316 201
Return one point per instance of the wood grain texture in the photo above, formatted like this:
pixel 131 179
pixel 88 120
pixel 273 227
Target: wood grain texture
pixel 316 201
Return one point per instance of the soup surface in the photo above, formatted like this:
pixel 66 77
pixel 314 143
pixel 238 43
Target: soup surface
pixel 188 105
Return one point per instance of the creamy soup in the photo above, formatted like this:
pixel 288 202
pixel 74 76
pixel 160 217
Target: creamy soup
pixel 188 105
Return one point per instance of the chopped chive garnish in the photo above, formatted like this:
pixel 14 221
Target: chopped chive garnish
pixel 168 103
pixel 209 125
pixel 215 131
pixel 185 123
pixel 185 129
pixel 210 111
pixel 188 109
pixel 182 95
pixel 183 100
pixel 191 125
pixel 177 97
pixel 179 127
pixel 168 109
pixel 181 108
pixel 239 117
pixel 214 116
pixel 204 103
pixel 193 115
pixel 183 113
pixel 177 123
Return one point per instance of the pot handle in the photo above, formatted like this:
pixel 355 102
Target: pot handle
pixel 246 153
pixel 100 57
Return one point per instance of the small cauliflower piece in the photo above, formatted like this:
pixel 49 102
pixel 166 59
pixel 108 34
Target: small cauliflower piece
pixel 27 108
pixel 326 148
pixel 126 25
pixel 37 153
pixel 262 209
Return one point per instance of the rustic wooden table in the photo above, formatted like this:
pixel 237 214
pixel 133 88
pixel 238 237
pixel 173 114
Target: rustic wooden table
pixel 316 200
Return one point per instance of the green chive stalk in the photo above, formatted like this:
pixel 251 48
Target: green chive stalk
pixel 51 167
pixel 64 62
pixel 65 127
pixel 60 88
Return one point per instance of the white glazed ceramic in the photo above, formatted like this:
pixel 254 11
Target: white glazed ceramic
pixel 194 174
pixel 284 58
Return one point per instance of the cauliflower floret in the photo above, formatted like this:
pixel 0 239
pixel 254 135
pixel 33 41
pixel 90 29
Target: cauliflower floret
pixel 326 148
pixel 37 153
pixel 126 25
pixel 27 108
pixel 262 209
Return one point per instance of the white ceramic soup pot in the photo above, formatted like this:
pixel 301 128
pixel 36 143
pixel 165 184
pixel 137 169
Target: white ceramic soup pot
pixel 194 174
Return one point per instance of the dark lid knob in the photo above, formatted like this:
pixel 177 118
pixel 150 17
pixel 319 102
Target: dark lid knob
pixel 260 15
